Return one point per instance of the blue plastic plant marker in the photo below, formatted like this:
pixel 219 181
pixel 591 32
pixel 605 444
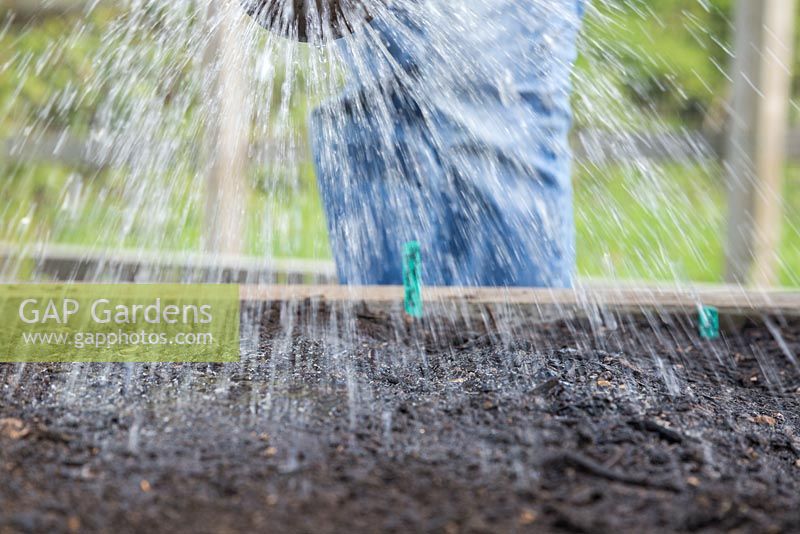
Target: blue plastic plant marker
pixel 708 322
pixel 412 278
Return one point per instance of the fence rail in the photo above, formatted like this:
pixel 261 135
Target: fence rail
pixel 287 280
pixel 597 147
pixel 79 264
pixel 27 10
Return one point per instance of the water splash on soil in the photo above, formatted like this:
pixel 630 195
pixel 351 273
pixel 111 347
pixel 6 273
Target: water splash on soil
pixel 196 108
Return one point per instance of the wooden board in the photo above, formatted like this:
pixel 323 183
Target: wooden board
pixel 81 265
pixel 729 299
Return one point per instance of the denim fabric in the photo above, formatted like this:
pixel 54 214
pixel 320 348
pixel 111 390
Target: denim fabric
pixel 456 138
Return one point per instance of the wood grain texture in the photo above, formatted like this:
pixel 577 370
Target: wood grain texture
pixel 729 299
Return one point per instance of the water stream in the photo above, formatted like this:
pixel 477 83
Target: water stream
pixel 184 90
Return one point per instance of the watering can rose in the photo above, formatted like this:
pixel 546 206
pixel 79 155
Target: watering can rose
pixel 119 323
pixel 103 311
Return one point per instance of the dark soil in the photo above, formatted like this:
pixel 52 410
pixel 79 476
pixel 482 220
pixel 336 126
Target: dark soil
pixel 366 422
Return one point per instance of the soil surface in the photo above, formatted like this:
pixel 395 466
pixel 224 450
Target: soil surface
pixel 366 422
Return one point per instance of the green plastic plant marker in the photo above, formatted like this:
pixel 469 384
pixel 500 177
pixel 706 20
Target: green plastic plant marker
pixel 412 278
pixel 708 322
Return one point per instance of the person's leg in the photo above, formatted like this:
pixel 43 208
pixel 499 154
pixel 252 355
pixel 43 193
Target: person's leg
pixel 379 197
pixel 491 204
pixel 518 233
pixel 481 222
pixel 504 128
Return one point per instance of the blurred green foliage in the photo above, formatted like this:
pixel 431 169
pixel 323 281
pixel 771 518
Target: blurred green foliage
pixel 675 53
pixel 45 67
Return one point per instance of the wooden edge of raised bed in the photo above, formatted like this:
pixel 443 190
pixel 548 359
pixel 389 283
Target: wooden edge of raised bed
pixel 728 299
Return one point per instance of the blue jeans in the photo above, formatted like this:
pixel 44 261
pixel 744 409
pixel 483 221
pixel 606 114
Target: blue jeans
pixel 477 173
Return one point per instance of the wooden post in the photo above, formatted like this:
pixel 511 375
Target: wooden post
pixel 228 132
pixel 756 145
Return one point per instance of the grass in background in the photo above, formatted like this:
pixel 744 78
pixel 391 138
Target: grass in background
pixel 659 223
pixel 790 245
pixel 664 223
pixel 668 227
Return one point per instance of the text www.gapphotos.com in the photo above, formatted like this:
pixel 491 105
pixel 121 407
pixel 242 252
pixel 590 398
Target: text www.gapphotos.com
pixel 81 340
